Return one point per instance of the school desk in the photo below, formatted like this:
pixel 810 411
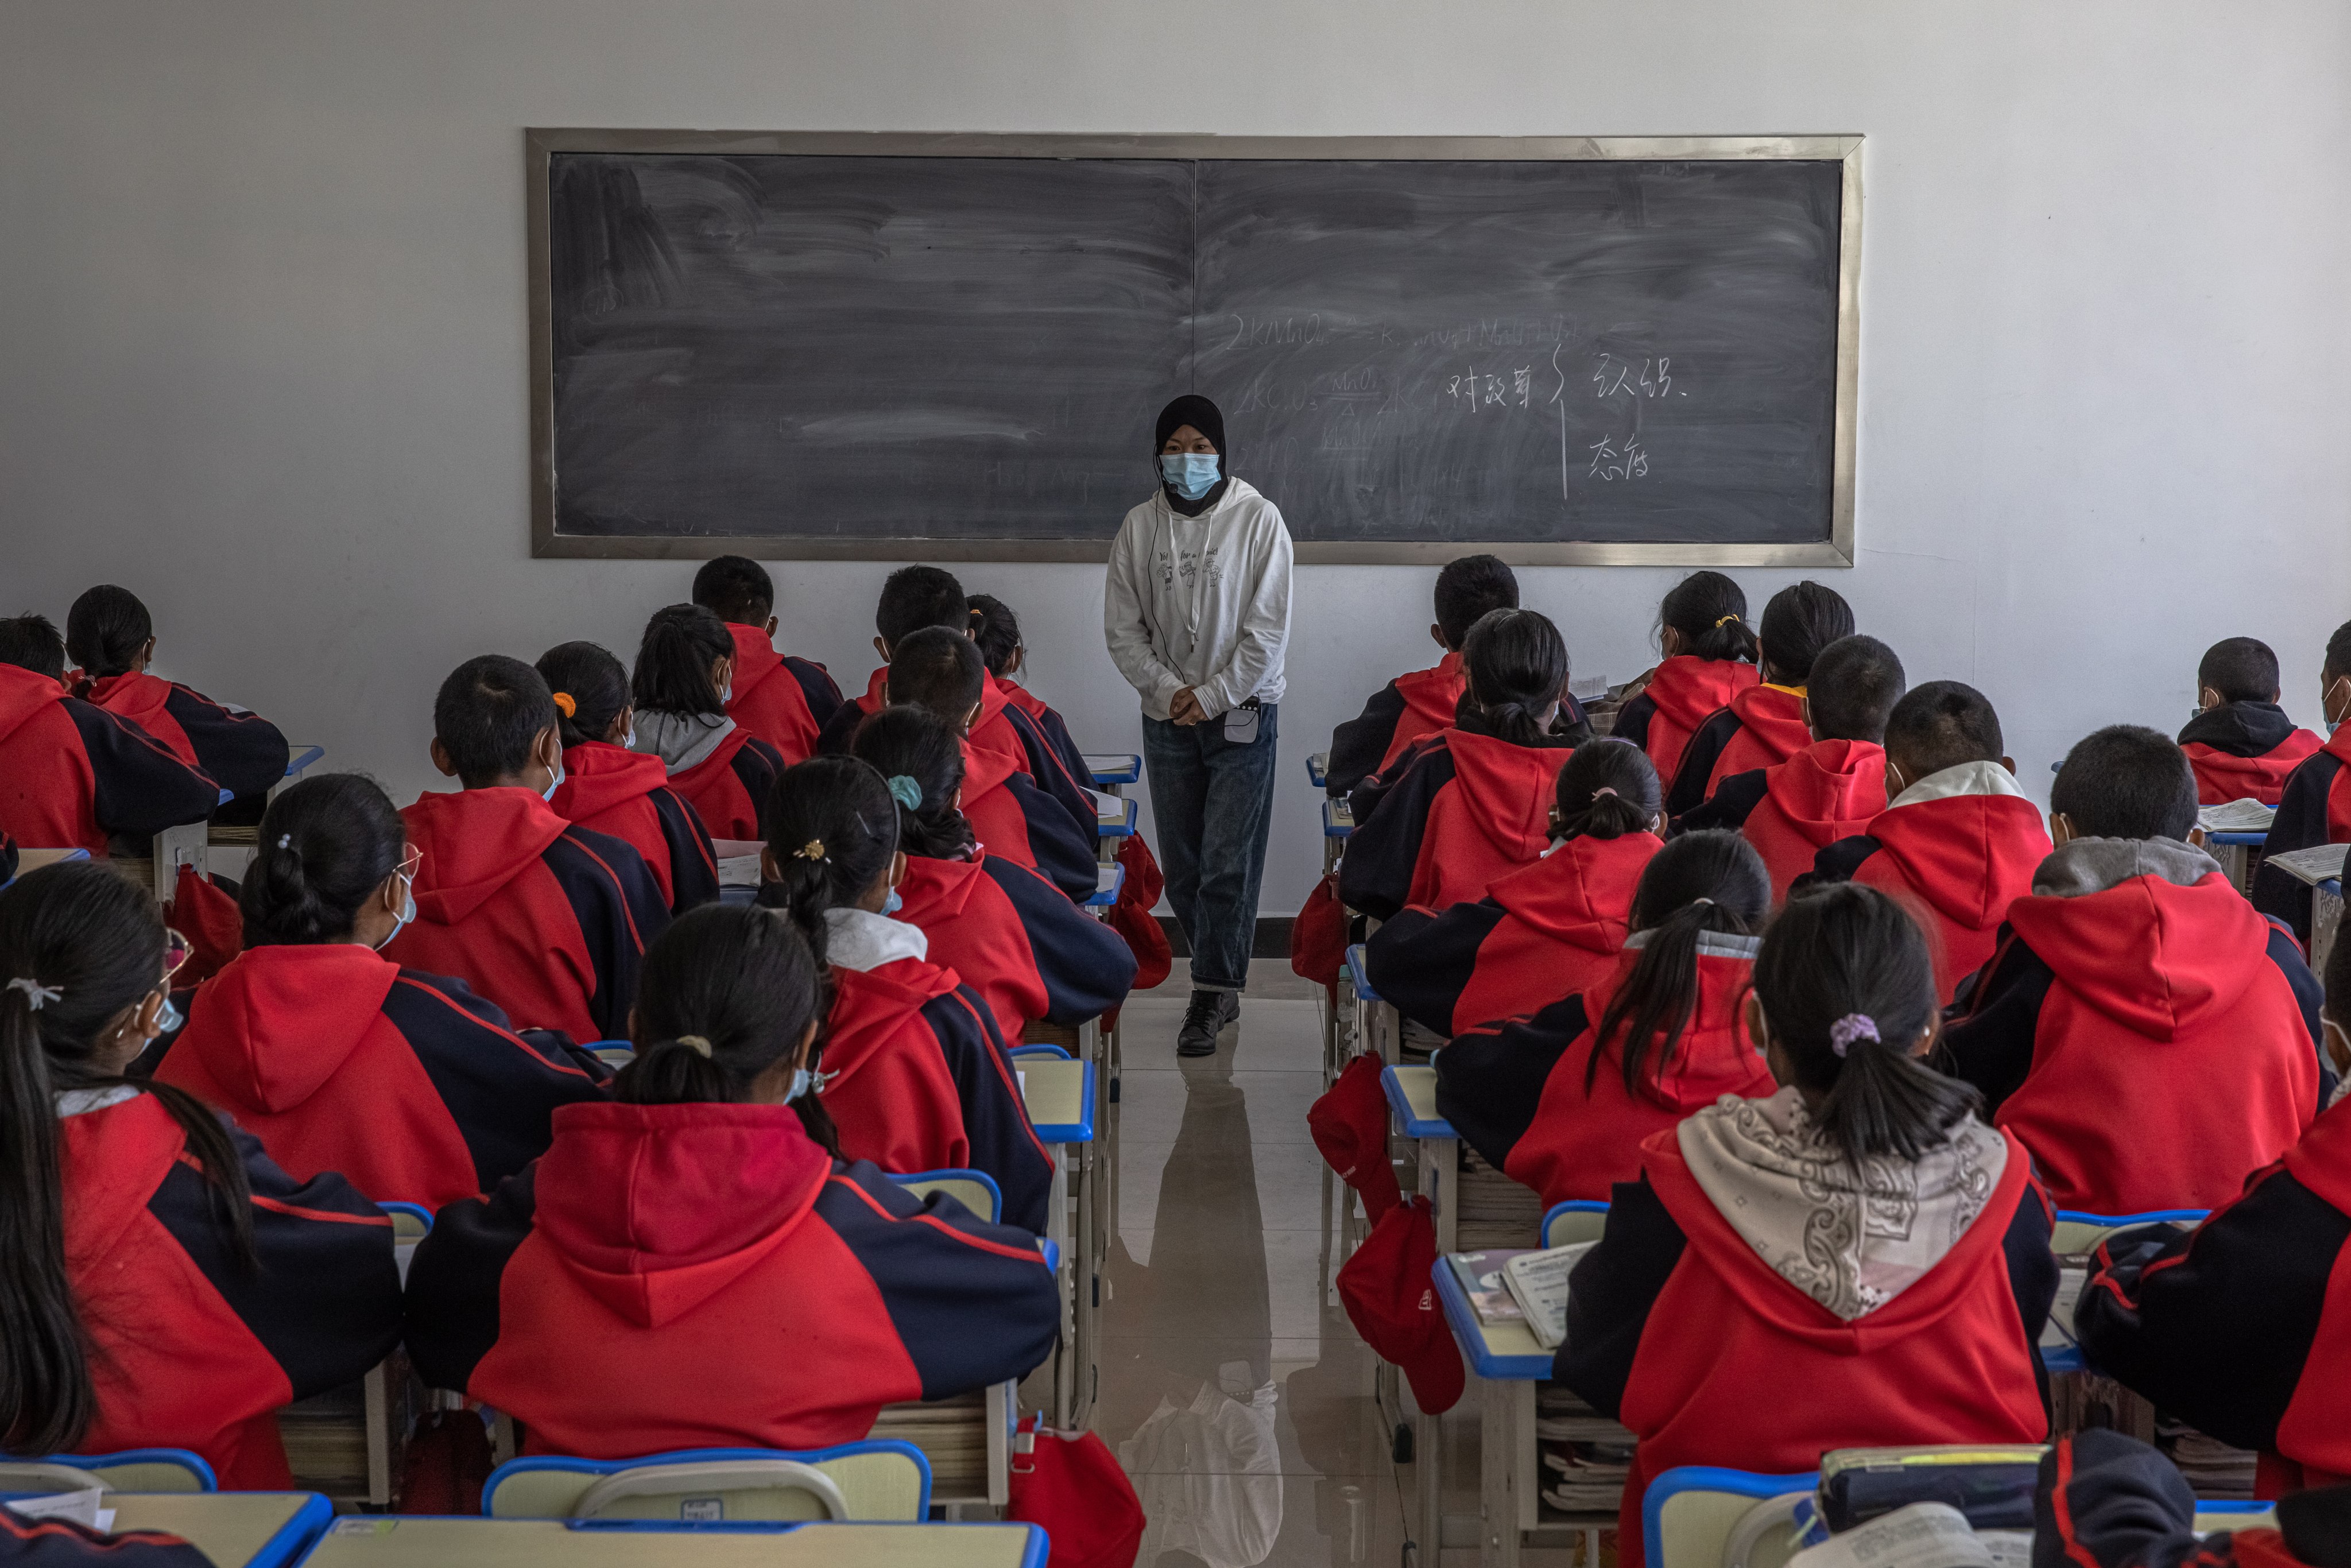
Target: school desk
pixel 1113 769
pixel 34 859
pixel 235 1529
pixel 1113 822
pixel 2325 913
pixel 2238 854
pixel 426 1542
pixel 1318 768
pixel 1338 821
pixel 1107 883
pixel 1378 1025
pixel 1059 1092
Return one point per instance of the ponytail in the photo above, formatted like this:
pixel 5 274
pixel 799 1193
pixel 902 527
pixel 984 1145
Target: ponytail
pixel 1517 668
pixel 920 759
pixel 1698 883
pixel 325 845
pixel 595 684
pixel 1608 789
pixel 1847 989
pixel 105 631
pixel 996 632
pixel 1711 612
pixel 673 675
pixel 1800 621
pixel 832 828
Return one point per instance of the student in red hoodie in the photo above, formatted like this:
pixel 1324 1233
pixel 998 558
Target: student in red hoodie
pixel 701 1268
pixel 1472 804
pixel 2314 807
pixel 2243 1326
pixel 1764 725
pixel 1561 1100
pixel 609 788
pixel 168 1285
pixel 915 1073
pixel 548 920
pixel 912 599
pixel 73 775
pixel 1854 1262
pixel 683 681
pixel 2144 1032
pixel 338 1059
pixel 1834 787
pixel 1957 840
pixel 940 672
pixel 782 700
pixel 1542 933
pixel 1011 935
pixel 996 632
pixel 1422 703
pixel 1709 658
pixel 2240 743
pixel 109 634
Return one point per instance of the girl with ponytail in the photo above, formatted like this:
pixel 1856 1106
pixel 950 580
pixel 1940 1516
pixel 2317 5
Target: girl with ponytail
pixel 1010 935
pixel 1708 659
pixel 1852 1262
pixel 704 1205
pixel 1472 804
pixel 609 788
pixel 167 1285
pixel 335 1057
pixel 1546 931
pixel 684 680
pixel 916 1073
pixel 1561 1099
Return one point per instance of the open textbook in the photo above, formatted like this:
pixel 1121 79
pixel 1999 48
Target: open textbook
pixel 2320 863
pixel 1538 1283
pixel 2245 816
pixel 1923 1535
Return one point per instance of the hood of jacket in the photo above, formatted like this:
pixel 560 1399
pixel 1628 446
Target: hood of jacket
pixel 983 769
pixel 1850 1237
pixel 1015 695
pixel 682 740
pixel 936 890
pixel 279 1022
pixel 868 1006
pixel 1689 690
pixel 1773 719
pixel 1508 788
pixel 133 694
pixel 1432 695
pixel 474 842
pixel 23 694
pixel 2239 729
pixel 1831 788
pixel 2147 931
pixel 654 1210
pixel 1713 1052
pixel 1966 839
pixel 598 776
pixel 1581 890
pixel 755 658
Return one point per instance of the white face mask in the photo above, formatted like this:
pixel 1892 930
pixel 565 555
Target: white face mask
pixel 629 742
pixel 407 911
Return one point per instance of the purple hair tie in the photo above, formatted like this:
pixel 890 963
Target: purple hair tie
pixel 1850 1028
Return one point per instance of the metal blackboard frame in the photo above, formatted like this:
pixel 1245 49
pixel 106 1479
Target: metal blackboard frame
pixel 538 143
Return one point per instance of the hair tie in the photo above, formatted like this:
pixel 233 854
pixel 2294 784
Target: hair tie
pixel 1696 902
pixel 284 839
pixel 811 850
pixel 695 1043
pixel 1724 622
pixel 1850 1028
pixel 1604 789
pixel 35 993
pixel 905 791
pixel 566 704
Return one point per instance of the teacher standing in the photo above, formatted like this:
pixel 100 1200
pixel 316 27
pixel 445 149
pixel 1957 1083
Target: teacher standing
pixel 1196 614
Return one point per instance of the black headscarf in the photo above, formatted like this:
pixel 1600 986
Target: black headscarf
pixel 1208 419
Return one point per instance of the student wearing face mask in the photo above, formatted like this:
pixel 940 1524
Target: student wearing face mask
pixel 608 788
pixel 684 679
pixel 2315 807
pixel 1196 615
pixel 338 1059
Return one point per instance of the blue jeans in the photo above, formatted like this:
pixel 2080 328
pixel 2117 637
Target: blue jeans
pixel 1213 801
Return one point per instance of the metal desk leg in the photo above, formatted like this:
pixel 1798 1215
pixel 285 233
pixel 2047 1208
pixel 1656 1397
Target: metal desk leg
pixel 1439 1171
pixel 1057 1229
pixel 1506 1455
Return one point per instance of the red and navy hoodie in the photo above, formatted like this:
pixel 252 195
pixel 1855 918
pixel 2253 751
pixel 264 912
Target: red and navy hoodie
pixel 1050 729
pixel 626 795
pixel 1761 727
pixel 703 1276
pixel 1685 692
pixel 1957 848
pixel 338 1060
pixel 62 1543
pixel 1794 1314
pixel 548 920
pixel 2104 1500
pixel 717 767
pixel 72 773
pixel 1544 932
pixel 1014 938
pixel 1017 822
pixel 1400 713
pixel 1515 1090
pixel 2313 809
pixel 1469 809
pixel 2243 1327
pixel 1049 764
pixel 241 752
pixel 782 700
pixel 2147 1035
pixel 190 1345
pixel 914 1073
pixel 1791 811
pixel 2244 751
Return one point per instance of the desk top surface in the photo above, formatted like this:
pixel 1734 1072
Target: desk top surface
pixel 1338 821
pixel 1318 768
pixel 1500 1352
pixel 232 1528
pixel 559 1543
pixel 1412 1095
pixel 1107 882
pixel 1118 821
pixel 1112 767
pixel 1060 1098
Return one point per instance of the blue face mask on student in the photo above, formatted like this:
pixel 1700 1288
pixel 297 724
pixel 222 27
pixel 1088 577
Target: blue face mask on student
pixel 407 913
pixel 169 1017
pixel 554 784
pixel 802 1082
pixel 893 904
pixel 1191 475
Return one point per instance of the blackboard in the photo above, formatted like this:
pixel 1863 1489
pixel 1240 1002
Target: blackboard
pixel 953 348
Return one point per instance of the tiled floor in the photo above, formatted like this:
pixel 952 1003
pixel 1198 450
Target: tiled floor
pixel 1233 1388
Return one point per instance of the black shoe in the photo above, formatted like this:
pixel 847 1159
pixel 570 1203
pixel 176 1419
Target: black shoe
pixel 1205 1019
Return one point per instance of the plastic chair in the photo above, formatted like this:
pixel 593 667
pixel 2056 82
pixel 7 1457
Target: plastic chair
pixel 1696 1516
pixel 132 1470
pixel 1577 1219
pixel 2076 1232
pixel 975 1190
pixel 877 1479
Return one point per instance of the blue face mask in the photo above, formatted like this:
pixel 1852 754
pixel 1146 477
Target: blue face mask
pixel 407 913
pixel 554 784
pixel 169 1017
pixel 892 903
pixel 802 1082
pixel 1191 475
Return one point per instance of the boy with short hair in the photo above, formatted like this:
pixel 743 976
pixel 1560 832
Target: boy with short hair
pixel 2314 807
pixel 782 700
pixel 1958 839
pixel 2146 1035
pixel 1423 701
pixel 2240 743
pixel 548 920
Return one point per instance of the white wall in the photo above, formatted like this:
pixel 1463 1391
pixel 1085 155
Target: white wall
pixel 262 345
